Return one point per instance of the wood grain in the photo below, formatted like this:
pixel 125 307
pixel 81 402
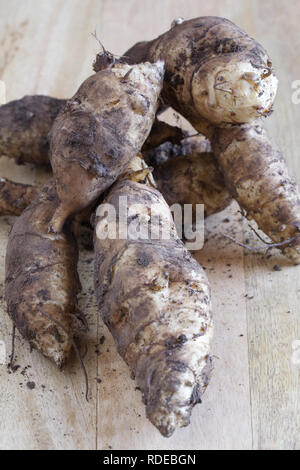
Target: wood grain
pixel 253 400
pixel 273 314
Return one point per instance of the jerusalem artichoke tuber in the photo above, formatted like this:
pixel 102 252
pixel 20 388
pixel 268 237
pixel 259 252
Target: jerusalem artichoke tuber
pixel 218 77
pixel 41 279
pixel 215 73
pixel 155 299
pixel 99 130
pixel 257 177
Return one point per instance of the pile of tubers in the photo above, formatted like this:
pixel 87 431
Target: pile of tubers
pixel 152 294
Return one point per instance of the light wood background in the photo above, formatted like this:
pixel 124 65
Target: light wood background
pixel 253 401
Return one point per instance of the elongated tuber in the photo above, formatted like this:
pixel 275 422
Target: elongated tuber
pixel 155 299
pixel 98 132
pixel 257 177
pixel 42 283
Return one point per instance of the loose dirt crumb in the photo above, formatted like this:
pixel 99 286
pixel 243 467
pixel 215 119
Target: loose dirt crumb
pixel 102 339
pixel 13 368
pixel 30 385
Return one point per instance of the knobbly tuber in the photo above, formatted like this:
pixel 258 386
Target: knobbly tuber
pixel 215 73
pixel 42 283
pixel 217 76
pixel 257 177
pixel 15 197
pixel 155 299
pixel 99 131
pixel 24 128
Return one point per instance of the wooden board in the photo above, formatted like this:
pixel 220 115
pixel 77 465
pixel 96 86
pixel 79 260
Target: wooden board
pixel 253 399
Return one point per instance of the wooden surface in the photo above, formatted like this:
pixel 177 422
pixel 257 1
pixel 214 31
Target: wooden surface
pixel 253 400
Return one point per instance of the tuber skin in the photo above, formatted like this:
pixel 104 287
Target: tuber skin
pixel 42 283
pixel 99 131
pixel 155 299
pixel 15 197
pixel 257 177
pixel 193 178
pixel 24 128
